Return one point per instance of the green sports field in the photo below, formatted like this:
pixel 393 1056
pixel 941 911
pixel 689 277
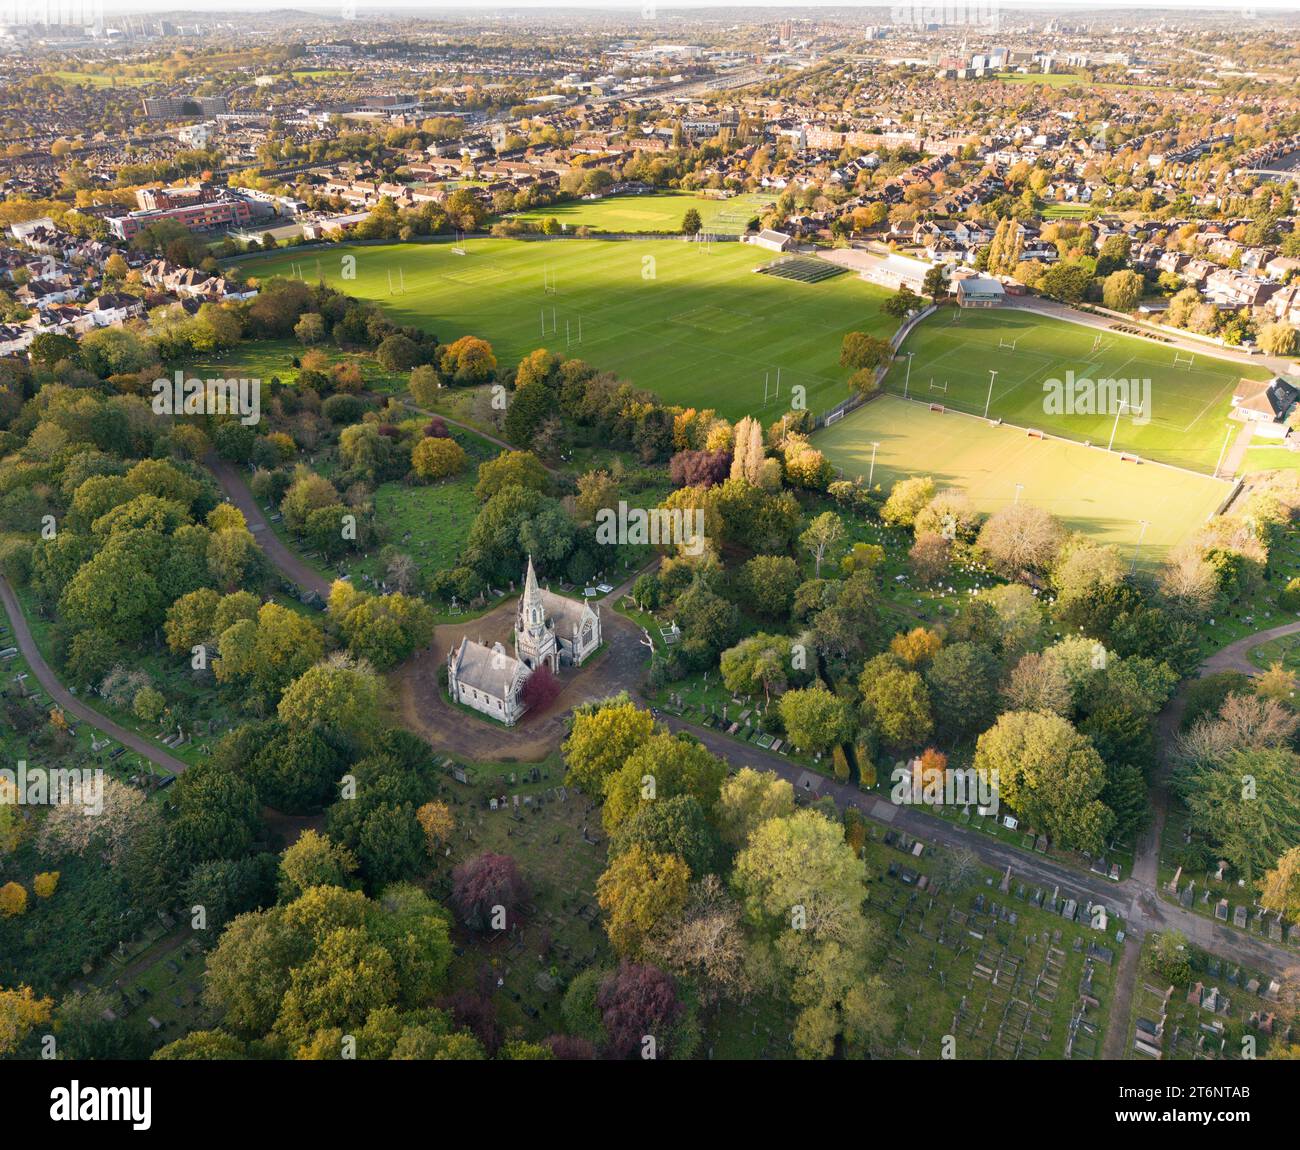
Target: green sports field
pixel 655 212
pixel 693 323
pixel 1088 489
pixel 1184 406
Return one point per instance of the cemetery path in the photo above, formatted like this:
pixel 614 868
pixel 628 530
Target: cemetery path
pixel 26 644
pixel 1133 898
pixel 1234 657
pixel 286 562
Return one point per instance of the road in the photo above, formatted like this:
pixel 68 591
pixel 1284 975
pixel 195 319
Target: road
pixel 26 644
pixel 285 561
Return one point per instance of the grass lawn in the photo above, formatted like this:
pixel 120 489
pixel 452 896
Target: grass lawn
pixel 1089 490
pixel 1184 408
pixel 697 328
pixel 655 212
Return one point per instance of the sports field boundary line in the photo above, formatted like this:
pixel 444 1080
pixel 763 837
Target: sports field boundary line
pixel 1049 435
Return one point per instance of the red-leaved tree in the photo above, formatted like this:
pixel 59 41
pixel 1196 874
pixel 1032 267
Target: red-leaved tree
pixel 637 1000
pixel 483 883
pixel 540 688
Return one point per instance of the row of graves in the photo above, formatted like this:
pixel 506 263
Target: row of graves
pixel 1246 915
pixel 555 836
pixel 1225 1012
pixel 989 969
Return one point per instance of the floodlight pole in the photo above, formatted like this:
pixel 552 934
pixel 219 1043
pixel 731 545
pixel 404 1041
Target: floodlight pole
pixel 872 475
pixel 1137 547
pixel 908 377
pixel 1019 488
pixel 989 401
pixel 1123 403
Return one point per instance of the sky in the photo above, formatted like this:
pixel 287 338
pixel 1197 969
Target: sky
pixel 412 6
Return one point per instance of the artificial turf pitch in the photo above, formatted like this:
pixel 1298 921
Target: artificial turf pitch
pixel 1184 421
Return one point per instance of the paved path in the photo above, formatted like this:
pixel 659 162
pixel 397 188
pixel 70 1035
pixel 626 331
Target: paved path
pixel 1134 898
pixel 67 700
pixel 286 562
pixel 1233 657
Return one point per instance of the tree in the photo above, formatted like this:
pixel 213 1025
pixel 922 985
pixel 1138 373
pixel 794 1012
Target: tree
pixel 1247 804
pixel 674 826
pixel 488 892
pixel 1280 887
pixel 748 799
pixel 1168 959
pixel 314 860
pixel 541 689
pixel 663 766
pixel 1121 290
pixel 936 282
pixel 424 385
pixel 815 719
pixel 895 702
pixel 859 350
pixel 20 1013
pixel 821 535
pixel 438 458
pixel 963 683
pixel 691 222
pixel 1019 538
pixel 1278 339
pixel 310 329
pixel 637 1001
pixel 802 887
pixel 1050 775
pixel 602 737
pixel 639 890
pixel 901 305
pixel 706 943
pixel 438 823
pixel 769 582
pixel 906 499
pixel 510 469
pixel 340 695
pixel 13 900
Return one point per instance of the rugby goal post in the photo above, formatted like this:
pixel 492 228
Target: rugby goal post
pixel 1181 360
pixel 1003 345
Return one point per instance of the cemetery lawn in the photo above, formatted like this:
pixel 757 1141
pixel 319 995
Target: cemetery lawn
pixel 561 933
pixel 196 707
pixel 654 212
pixel 1089 490
pixel 1187 406
pixel 695 325
pixel 1191 1029
pixel 942 954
